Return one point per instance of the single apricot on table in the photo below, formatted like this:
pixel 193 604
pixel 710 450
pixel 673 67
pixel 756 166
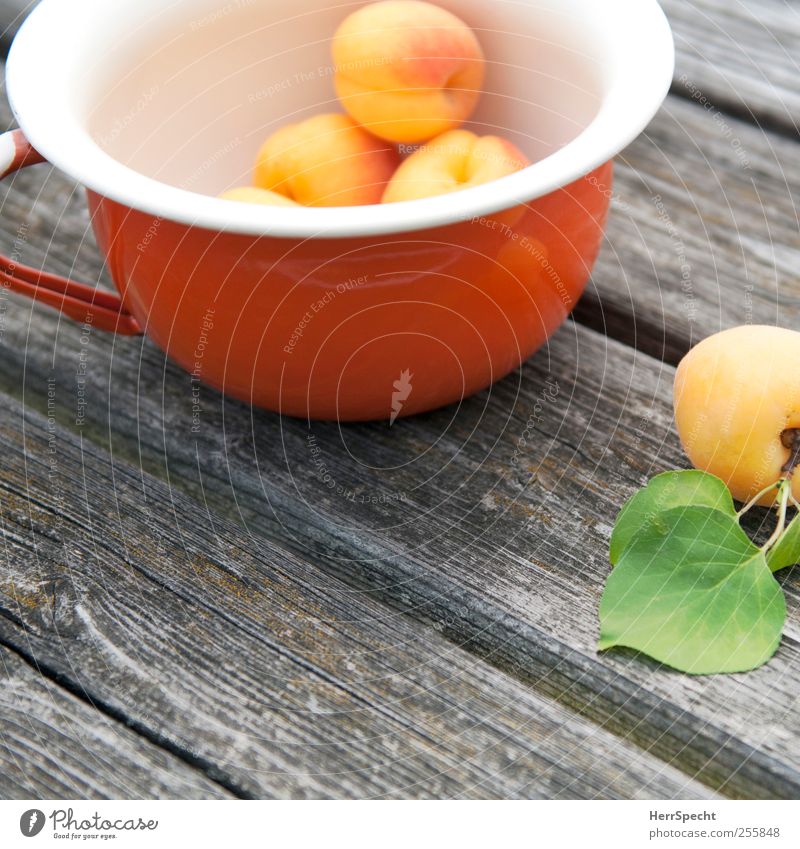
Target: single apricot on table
pixel 737 408
pixel 454 161
pixel 327 160
pixel 250 194
pixel 407 70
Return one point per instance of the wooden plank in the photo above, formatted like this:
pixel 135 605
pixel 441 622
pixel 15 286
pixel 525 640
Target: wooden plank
pixel 281 680
pixel 741 57
pixel 505 547
pixel 12 14
pixel 703 235
pixel 54 745
pixel 513 566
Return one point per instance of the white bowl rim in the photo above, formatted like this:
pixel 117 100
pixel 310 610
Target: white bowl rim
pixel 647 59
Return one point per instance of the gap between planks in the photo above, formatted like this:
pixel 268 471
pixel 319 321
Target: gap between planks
pixel 57 745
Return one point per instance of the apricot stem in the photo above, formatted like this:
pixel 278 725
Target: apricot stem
pixel 784 495
pixel 753 501
pixel 791 439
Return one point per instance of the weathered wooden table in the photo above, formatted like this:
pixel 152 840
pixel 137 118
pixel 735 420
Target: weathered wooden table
pixel 202 615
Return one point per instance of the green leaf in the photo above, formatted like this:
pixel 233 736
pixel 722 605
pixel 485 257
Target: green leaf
pixel 665 492
pixel 786 551
pixel 693 592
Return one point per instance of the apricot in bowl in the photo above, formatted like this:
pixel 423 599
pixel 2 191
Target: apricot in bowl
pixel 406 70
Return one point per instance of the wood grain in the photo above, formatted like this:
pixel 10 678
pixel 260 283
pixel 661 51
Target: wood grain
pixel 12 14
pixel 54 745
pixel 278 679
pixel 740 56
pixel 703 234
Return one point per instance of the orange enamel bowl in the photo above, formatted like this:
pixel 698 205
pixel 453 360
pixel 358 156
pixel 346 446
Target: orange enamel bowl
pixel 348 313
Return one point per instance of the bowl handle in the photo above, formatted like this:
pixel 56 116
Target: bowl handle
pixel 82 303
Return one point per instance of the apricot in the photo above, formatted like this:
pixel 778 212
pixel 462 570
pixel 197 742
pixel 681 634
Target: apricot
pixel 453 161
pixel 327 160
pixel 407 70
pixel 249 194
pixel 737 407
